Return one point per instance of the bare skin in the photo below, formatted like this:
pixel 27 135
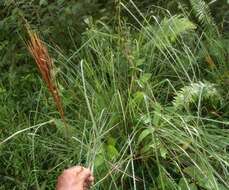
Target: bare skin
pixel 75 178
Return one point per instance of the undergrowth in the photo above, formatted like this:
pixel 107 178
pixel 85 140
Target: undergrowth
pixel 146 108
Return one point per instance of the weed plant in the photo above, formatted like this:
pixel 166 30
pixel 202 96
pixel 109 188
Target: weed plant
pixel 146 108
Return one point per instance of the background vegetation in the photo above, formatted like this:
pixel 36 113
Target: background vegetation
pixel 144 86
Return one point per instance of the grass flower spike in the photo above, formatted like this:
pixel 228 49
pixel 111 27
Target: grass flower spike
pixel 44 63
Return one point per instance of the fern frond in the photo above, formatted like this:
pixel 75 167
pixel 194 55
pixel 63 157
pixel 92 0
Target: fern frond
pixel 203 14
pixel 189 96
pixel 170 29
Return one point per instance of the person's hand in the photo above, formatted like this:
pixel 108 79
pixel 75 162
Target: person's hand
pixel 75 178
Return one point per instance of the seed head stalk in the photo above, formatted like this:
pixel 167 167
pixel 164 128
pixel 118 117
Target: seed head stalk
pixel 44 63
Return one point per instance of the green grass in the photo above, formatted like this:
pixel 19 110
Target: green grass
pixel 144 107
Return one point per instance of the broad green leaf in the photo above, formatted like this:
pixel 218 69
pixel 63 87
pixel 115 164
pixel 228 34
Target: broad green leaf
pixel 112 152
pixel 111 141
pixel 143 135
pixel 99 160
pixel 138 97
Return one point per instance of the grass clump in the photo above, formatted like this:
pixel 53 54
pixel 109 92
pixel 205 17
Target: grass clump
pixel 139 114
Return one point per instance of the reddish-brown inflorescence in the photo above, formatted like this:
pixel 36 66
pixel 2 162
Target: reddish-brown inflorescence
pixel 44 63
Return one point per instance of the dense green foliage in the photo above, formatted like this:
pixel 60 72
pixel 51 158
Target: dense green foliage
pixel 144 88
